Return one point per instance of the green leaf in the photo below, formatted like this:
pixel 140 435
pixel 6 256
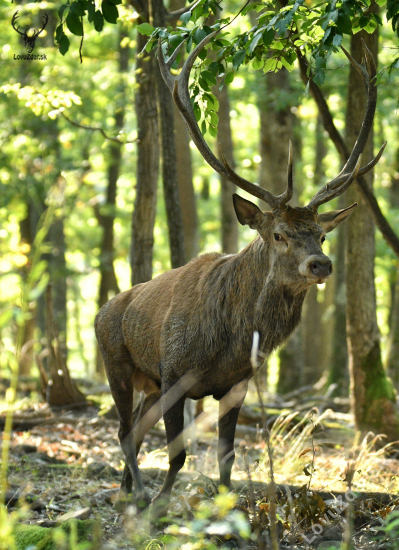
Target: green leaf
pixel 74 24
pixel 37 271
pixel 62 10
pixel 209 77
pixel 255 41
pixel 213 102
pixel 257 64
pixel 197 112
pixel 110 12
pixel 319 77
pixel 59 31
pixel 77 9
pixel 213 131
pixel 185 18
pixel 115 2
pixel 214 118
pixel 270 65
pixel 98 21
pixel 39 288
pixel 63 44
pixel 6 317
pixel 229 77
pixel 337 40
pixel 238 58
pixel 268 37
pixel 203 128
pixel 199 35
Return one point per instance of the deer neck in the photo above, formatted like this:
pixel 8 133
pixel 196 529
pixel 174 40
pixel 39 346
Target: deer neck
pixel 269 306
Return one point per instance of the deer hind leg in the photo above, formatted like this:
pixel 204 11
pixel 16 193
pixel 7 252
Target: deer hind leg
pixel 229 408
pixel 145 416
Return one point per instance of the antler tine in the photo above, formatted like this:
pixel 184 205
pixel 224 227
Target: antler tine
pixel 339 184
pixel 328 193
pixel 13 20
pixel 287 195
pixel 179 85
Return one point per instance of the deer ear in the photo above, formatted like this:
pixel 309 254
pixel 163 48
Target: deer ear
pixel 330 220
pixel 247 212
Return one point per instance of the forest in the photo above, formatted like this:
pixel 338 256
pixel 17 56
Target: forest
pixel 104 187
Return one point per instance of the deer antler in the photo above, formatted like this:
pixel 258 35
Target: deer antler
pixel 39 31
pixel 13 20
pixel 352 166
pixel 178 85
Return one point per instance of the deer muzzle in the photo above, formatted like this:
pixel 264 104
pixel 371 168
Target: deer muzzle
pixel 317 268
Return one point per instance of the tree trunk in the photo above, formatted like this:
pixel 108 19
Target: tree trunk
pixel 168 147
pixel 229 225
pixel 26 238
pixel 147 163
pixel 185 173
pixel 106 213
pixel 60 389
pixel 276 129
pixel 392 363
pixel 312 326
pixel 373 398
pixel 312 334
pixel 338 372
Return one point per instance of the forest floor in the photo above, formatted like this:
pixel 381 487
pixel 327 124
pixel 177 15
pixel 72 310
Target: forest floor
pixel 328 485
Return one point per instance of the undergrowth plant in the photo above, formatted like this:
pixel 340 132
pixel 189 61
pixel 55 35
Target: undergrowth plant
pixel 34 285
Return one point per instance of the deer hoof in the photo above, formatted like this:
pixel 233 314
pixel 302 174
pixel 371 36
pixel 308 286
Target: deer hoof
pixel 159 507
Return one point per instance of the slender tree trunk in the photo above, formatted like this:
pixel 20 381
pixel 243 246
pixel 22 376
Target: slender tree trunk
pixel 338 372
pixel 312 326
pixel 392 363
pixel 168 146
pixel 147 163
pixel 276 129
pixel 26 359
pixel 106 213
pixel 229 225
pixel 373 398
pixel 185 173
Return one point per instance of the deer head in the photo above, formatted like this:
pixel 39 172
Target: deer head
pixel 295 234
pixel 29 40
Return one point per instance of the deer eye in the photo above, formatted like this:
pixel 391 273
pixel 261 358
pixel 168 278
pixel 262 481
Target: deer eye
pixel 277 237
pixel 322 240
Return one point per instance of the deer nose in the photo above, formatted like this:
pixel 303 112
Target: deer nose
pixel 316 267
pixel 320 269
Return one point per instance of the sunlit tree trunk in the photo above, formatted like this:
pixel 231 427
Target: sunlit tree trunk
pixel 392 364
pixel 373 399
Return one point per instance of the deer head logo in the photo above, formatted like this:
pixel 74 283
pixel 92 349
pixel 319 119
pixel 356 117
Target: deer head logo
pixel 29 40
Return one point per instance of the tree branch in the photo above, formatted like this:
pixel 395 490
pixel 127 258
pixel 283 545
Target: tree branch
pixel 98 129
pixel 382 223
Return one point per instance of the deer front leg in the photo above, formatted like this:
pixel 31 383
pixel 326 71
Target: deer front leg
pixel 229 408
pixel 174 422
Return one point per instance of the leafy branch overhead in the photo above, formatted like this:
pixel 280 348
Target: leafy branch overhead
pixel 72 15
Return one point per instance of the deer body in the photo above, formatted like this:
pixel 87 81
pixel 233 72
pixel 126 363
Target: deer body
pixel 188 333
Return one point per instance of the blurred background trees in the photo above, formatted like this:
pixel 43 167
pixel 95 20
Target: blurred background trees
pixel 93 138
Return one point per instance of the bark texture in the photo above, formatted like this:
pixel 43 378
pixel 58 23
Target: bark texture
pixel 393 341
pixel 229 225
pixel 372 394
pixel 147 163
pixel 168 147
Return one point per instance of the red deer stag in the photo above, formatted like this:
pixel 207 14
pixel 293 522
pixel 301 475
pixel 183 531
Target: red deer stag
pixel 188 332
